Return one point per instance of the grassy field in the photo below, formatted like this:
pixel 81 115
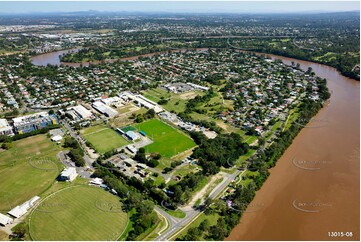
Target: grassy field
pixel 124 118
pixel 291 118
pixel 176 102
pixel 176 213
pixel 4 236
pixel 167 140
pixel 78 213
pixel 27 169
pixel 103 139
pixel 161 226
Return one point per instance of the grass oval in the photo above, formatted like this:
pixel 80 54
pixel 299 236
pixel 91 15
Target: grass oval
pixel 80 217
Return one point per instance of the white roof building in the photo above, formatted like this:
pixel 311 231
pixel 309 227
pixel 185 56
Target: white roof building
pixel 20 210
pixel 97 181
pixel 4 220
pixel 81 111
pixel 104 109
pixel 198 86
pixel 26 118
pixel 111 100
pixel 148 104
pixel 132 135
pixel 56 138
pixel 132 148
pixel 68 174
pixel 5 128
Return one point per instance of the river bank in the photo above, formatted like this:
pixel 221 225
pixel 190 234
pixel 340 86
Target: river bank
pixel 53 58
pixel 306 204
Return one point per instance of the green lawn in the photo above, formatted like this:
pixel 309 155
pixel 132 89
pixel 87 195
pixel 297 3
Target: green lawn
pixel 167 140
pixel 161 226
pixel 212 219
pixel 27 170
pixel 291 118
pixel 78 213
pixel 245 157
pixel 176 102
pixel 103 139
pixel 176 213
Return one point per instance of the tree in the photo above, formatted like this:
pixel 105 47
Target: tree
pixel 139 119
pixel 219 231
pixel 156 155
pixel 198 137
pixel 194 233
pixel 149 114
pixel 153 163
pixel 204 225
pixel 71 143
pixel 7 146
pixel 19 232
pixel 144 208
pixel 207 202
pixel 210 168
pixel 140 156
pixel 77 157
pixel 261 141
pixel 177 196
pixel 162 101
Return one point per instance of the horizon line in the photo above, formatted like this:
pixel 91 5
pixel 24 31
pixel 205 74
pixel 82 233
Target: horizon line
pixel 182 12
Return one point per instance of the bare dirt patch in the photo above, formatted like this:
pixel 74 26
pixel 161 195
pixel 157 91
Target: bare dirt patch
pixel 223 126
pixel 203 191
pixel 182 155
pixel 188 95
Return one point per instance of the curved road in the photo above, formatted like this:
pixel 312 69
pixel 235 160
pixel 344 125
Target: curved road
pixel 177 224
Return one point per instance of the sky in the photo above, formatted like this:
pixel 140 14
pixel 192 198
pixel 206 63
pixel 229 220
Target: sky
pixel 178 6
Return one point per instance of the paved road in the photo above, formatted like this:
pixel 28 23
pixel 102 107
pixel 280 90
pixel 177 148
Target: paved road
pixel 89 161
pixel 223 185
pixel 191 213
pixel 176 225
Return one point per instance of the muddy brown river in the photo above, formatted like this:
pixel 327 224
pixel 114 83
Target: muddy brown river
pixel 314 189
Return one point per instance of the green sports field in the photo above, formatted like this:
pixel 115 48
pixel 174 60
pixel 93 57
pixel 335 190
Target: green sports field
pixel 78 213
pixel 103 138
pixel 167 140
pixel 27 169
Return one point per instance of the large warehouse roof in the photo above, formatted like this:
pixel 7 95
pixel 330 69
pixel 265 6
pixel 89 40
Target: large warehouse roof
pixel 19 211
pixel 132 135
pixel 4 220
pixel 104 109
